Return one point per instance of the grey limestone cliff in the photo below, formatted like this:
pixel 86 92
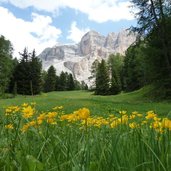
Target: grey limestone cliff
pixel 77 59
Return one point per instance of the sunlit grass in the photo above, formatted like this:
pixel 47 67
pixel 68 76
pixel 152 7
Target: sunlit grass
pixel 102 105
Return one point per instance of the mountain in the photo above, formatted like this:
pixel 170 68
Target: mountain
pixel 77 59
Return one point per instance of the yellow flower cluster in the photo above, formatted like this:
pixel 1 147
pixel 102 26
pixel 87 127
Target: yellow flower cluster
pixel 28 125
pixel 41 118
pixel 9 126
pixel 58 108
pixel 51 117
pixel 11 110
pixel 166 123
pixel 27 111
pixel 29 117
pixel 81 114
pixel 133 120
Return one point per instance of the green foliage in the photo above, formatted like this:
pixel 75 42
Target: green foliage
pixel 35 74
pixel 5 63
pixel 71 84
pixel 108 75
pixel 50 81
pixel 134 69
pixel 154 23
pixel 115 63
pixel 27 74
pixel 102 79
pixel 65 81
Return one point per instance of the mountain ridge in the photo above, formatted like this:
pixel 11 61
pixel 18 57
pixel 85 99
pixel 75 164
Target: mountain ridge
pixel 78 58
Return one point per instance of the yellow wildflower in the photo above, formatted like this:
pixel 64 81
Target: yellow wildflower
pixel 150 115
pixel 32 123
pixel 51 114
pixel 51 121
pixel 11 110
pixel 166 123
pixel 134 113
pixel 122 112
pixel 25 127
pixel 124 119
pixel 51 117
pixel 144 122
pixel 132 116
pixel 133 125
pixel 139 115
pixel 115 123
pixel 27 112
pixel 156 125
pixel 9 126
pixel 83 113
pixel 28 125
pixel 58 108
pixel 157 119
pixel 8 111
pixel 24 104
pixel 40 118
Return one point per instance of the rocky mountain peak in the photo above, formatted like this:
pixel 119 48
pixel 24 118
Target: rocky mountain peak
pixel 77 59
pixel 90 41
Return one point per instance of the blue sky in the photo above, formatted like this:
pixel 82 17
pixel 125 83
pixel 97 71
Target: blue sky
pixel 44 23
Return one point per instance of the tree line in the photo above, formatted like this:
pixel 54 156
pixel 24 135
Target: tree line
pixel 148 60
pixel 26 77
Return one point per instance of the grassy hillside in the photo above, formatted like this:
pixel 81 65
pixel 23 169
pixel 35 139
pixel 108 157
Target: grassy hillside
pixel 72 100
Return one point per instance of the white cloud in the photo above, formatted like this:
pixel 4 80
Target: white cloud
pixel 38 33
pixel 75 34
pixel 97 10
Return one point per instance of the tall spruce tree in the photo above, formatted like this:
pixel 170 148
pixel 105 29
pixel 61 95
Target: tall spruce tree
pixel 71 84
pixel 22 74
pixel 92 78
pixel 50 81
pixel 102 79
pixel 35 74
pixel 63 81
pixel 115 63
pixel 27 74
pixel 134 69
pixel 57 84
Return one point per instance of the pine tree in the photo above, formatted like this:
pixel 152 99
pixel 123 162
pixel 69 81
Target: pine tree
pixel 35 74
pixel 92 78
pixel 102 79
pixel 134 69
pixel 115 63
pixel 71 84
pixel 27 74
pixel 50 81
pixel 22 74
pixel 63 81
pixel 57 84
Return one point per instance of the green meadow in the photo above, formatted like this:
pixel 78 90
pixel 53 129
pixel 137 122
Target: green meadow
pixel 98 105
pixel 78 131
